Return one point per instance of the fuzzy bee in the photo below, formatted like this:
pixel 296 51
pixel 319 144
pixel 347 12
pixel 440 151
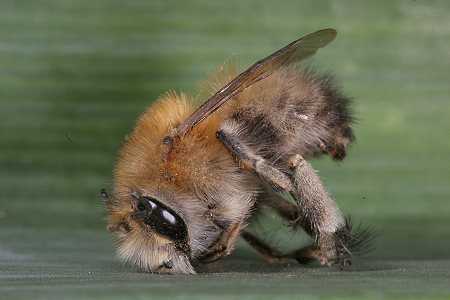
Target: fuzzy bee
pixel 189 179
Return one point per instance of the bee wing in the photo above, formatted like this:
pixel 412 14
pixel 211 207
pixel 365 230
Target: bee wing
pixel 295 51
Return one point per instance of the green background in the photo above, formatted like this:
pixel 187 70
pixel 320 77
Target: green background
pixel 74 76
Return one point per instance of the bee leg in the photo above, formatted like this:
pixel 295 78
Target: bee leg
pixel 311 253
pixel 316 211
pixel 303 255
pixel 290 212
pixel 346 241
pixel 318 215
pixel 276 178
pixel 270 254
pixel 280 205
pixel 224 244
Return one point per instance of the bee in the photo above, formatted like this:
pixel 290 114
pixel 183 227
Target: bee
pixel 188 180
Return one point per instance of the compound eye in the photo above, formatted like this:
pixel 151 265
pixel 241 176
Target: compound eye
pixel 162 219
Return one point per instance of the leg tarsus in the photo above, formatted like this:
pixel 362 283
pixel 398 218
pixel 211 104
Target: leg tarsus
pixel 311 253
pixel 270 254
pixel 308 254
pixel 223 246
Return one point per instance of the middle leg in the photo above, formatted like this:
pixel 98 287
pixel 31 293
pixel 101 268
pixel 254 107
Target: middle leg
pixel 224 244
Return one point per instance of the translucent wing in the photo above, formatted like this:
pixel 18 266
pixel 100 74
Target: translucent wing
pixel 295 51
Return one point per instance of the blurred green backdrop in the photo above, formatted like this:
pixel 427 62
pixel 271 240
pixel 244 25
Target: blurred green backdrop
pixel 74 76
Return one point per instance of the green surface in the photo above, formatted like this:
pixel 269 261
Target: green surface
pixel 74 75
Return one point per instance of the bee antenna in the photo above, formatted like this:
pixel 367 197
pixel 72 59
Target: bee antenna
pixel 135 195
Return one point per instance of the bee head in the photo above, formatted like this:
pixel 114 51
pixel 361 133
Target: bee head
pixel 150 235
pixel 159 213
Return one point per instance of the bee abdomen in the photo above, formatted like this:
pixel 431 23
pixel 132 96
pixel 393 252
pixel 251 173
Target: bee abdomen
pixel 294 112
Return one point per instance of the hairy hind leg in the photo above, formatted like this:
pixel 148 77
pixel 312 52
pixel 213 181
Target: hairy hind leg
pixel 316 211
pixel 290 212
pixel 349 241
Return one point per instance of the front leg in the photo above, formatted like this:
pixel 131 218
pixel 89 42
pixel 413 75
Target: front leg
pixel 223 245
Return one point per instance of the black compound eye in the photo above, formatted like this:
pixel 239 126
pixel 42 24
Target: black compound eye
pixel 162 219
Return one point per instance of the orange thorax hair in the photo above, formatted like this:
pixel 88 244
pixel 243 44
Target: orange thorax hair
pixel 194 160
